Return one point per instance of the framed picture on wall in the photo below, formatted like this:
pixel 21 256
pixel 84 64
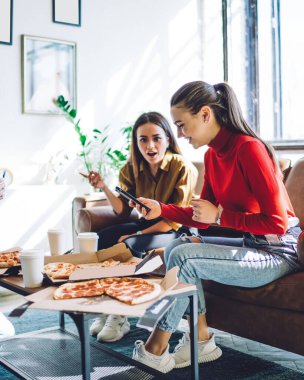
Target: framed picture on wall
pixel 67 12
pixel 6 22
pixel 48 70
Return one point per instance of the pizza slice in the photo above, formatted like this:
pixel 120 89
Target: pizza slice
pixel 59 270
pixel 78 290
pixel 110 263
pixel 132 291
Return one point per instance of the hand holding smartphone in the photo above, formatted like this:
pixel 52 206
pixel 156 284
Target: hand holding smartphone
pixel 130 197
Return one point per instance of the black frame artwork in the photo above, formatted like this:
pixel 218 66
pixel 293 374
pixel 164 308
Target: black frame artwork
pixel 6 22
pixel 67 12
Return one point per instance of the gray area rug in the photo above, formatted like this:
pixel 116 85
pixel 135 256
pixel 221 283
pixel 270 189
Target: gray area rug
pixel 233 365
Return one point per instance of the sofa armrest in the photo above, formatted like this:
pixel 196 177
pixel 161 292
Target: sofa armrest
pixel 95 218
pixel 295 189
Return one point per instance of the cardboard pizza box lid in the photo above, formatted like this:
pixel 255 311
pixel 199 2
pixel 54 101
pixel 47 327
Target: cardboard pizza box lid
pixel 117 252
pixel 44 300
pixel 147 265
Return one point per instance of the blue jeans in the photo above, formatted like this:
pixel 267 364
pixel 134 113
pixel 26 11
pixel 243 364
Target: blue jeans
pixel 230 265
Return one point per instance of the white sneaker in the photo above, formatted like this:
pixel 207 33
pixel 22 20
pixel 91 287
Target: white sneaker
pixel 98 324
pixel 114 329
pixel 183 326
pixel 164 363
pixel 207 351
pixel 6 327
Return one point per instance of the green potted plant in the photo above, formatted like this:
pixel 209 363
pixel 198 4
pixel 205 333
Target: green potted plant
pixel 95 151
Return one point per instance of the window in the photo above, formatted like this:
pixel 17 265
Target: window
pixel 263 63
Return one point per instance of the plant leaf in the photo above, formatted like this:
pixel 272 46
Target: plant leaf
pixel 83 139
pixel 73 113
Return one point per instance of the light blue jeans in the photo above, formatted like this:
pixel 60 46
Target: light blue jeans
pixel 239 266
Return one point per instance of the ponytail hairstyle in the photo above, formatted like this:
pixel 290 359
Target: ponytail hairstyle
pixel 154 118
pixel 222 99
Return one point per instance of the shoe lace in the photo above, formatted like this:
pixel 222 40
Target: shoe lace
pixel 181 343
pixel 138 343
pixel 114 320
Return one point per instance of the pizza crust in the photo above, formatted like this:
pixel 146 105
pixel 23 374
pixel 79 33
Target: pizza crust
pixel 148 297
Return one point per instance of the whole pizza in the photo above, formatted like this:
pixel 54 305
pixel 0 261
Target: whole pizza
pixel 130 290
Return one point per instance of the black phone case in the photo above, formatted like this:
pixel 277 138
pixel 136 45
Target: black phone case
pixel 131 197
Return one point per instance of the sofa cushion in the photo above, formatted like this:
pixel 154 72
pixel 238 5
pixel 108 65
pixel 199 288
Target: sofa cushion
pixel 285 293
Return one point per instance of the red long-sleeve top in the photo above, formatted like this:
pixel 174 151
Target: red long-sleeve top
pixel 242 178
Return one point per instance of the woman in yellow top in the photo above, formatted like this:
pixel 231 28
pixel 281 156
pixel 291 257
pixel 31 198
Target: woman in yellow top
pixel 156 170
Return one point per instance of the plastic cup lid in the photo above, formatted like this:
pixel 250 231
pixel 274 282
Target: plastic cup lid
pixel 31 253
pixel 56 230
pixel 88 235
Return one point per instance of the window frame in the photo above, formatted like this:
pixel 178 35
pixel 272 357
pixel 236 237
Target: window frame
pixel 252 71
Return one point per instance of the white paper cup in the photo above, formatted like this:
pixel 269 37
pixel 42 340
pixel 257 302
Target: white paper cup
pixel 56 241
pixel 87 242
pixel 32 262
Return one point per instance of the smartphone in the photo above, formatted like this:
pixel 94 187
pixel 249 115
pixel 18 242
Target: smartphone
pixel 130 197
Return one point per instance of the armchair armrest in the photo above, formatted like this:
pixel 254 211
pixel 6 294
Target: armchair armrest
pixel 95 218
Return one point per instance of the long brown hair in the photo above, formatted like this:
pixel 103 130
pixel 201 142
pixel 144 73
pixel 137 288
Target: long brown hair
pixel 222 99
pixel 158 119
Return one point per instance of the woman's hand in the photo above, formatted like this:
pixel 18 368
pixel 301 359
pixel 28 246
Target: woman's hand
pixel 95 180
pixel 152 204
pixel 123 237
pixel 204 211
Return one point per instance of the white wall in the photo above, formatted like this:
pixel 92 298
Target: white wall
pixel 132 55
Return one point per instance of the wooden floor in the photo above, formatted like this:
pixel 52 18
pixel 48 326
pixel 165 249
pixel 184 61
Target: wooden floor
pixel 284 358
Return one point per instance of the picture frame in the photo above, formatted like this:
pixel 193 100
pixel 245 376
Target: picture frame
pixel 48 70
pixel 67 12
pixel 6 22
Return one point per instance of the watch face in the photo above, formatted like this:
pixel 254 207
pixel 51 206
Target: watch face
pixel 7 175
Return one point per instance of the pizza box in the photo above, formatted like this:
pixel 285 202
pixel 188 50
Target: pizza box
pixel 44 300
pixel 117 252
pixel 4 271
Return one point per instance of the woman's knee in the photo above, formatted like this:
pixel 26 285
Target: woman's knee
pixel 175 243
pixel 177 256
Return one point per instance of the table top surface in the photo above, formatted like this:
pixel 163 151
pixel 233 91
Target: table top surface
pixel 16 284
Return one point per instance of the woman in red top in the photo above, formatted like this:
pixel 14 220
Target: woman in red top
pixel 243 190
